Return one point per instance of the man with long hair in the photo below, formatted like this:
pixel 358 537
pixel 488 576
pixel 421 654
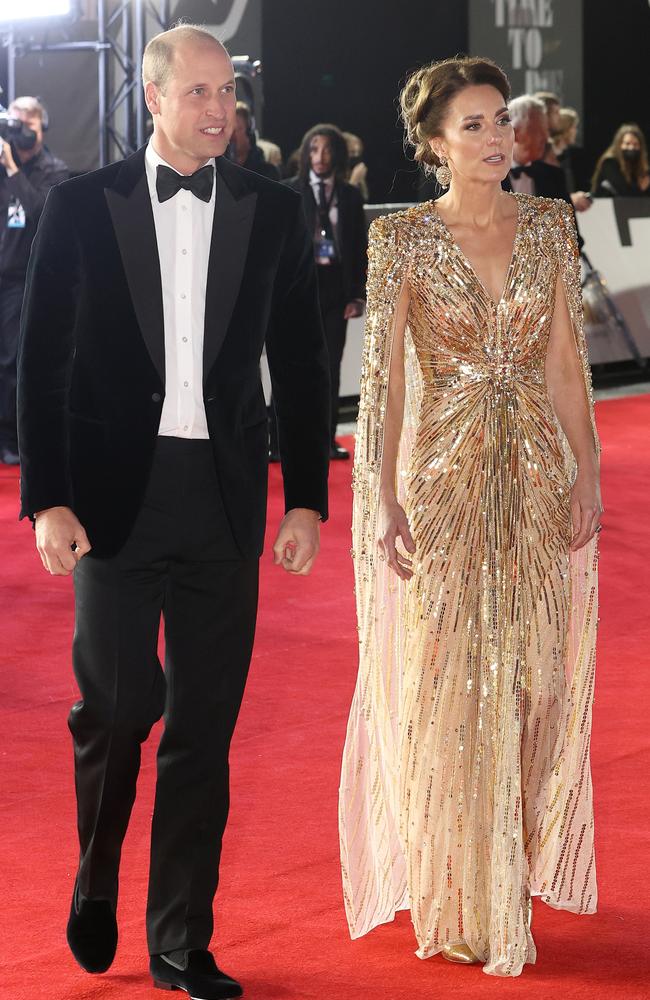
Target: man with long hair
pixel 334 210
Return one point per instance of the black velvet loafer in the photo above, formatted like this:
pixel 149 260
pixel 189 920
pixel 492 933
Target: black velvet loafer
pixel 200 977
pixel 92 932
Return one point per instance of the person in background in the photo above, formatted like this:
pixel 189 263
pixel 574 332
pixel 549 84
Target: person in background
pixel 27 172
pixel 563 141
pixel 358 175
pixel 335 216
pixel 530 173
pixel 622 171
pixel 243 146
pixel 271 152
pixel 552 104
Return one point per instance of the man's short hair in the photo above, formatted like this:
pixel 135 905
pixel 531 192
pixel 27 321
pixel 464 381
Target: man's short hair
pixel 523 108
pixel 158 58
pixel 31 105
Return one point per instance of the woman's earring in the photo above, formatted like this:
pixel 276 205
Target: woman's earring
pixel 443 173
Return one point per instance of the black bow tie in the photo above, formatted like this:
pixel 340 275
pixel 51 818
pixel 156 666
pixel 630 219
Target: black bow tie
pixel 518 171
pixel 169 183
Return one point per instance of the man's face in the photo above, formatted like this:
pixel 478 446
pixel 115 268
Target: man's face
pixel 320 155
pixel 32 120
pixel 194 113
pixel 531 137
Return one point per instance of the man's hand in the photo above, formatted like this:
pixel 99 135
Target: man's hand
pixel 298 541
pixel 60 539
pixel 581 201
pixel 353 309
pixel 7 158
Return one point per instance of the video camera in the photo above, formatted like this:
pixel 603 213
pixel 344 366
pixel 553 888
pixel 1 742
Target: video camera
pixel 15 131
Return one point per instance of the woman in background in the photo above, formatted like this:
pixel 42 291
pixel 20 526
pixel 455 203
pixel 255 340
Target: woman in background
pixel 622 171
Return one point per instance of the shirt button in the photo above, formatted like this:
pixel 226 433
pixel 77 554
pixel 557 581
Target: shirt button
pixel 185 427
pixel 155 397
pixel 186 384
pixel 184 208
pixel 183 295
pixel 183 252
pixel 184 340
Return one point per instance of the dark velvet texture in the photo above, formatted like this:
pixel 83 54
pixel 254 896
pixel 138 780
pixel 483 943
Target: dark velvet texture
pixel 91 378
pixel 92 932
pixel 202 977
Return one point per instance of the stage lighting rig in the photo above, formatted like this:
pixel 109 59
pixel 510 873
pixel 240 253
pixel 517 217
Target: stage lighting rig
pixel 35 11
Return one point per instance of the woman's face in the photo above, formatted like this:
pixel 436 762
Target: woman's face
pixel 630 141
pixel 477 136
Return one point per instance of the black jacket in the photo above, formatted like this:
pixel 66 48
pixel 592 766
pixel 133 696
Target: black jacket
pixel 29 187
pixel 91 364
pixel 550 182
pixel 611 182
pixel 352 234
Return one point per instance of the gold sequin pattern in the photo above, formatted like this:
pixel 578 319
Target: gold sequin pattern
pixel 465 781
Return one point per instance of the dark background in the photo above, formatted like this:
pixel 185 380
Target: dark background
pixel 343 61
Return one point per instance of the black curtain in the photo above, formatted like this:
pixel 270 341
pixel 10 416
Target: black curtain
pixel 342 61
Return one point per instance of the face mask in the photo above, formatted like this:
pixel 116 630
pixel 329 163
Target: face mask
pixel 631 155
pixel 25 139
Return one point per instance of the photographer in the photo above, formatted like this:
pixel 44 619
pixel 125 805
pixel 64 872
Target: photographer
pixel 27 172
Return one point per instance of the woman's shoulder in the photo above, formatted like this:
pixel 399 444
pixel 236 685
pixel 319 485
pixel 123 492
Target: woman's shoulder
pixel 543 210
pixel 395 226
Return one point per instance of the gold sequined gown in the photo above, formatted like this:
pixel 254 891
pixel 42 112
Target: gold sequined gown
pixel 466 784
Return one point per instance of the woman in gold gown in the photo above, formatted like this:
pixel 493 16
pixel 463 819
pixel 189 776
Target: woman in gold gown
pixel 466 786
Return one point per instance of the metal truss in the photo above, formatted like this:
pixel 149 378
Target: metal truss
pixel 123 29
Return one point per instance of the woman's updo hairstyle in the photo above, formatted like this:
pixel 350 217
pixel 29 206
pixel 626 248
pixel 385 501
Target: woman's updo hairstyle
pixel 425 99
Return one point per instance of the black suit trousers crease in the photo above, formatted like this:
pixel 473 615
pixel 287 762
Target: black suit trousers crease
pixel 332 305
pixel 180 561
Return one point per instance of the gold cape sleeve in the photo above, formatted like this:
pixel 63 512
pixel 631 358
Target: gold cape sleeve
pixel 373 866
pixel 564 872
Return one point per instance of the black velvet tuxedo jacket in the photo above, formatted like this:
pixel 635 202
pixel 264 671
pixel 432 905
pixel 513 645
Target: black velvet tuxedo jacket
pixel 92 360
pixel 352 232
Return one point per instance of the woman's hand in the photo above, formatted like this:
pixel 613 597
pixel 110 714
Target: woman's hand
pixel 393 524
pixel 586 507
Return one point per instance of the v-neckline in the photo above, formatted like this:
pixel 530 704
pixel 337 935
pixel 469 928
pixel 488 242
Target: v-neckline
pixel 470 267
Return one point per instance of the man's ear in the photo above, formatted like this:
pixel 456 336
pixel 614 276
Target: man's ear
pixel 152 97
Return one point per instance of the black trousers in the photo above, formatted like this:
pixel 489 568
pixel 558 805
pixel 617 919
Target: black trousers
pixel 332 305
pixel 180 562
pixel 11 301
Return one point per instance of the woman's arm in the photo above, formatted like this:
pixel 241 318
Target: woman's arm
pixel 566 388
pixel 393 522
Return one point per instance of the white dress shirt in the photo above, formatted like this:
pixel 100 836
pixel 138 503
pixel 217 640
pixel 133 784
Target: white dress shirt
pixel 333 213
pixel 524 184
pixel 183 233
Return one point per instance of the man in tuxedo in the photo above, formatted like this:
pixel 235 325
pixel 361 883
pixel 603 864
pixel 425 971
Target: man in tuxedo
pixel 152 287
pixel 335 217
pixel 530 174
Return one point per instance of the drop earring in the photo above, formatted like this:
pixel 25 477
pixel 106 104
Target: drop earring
pixel 443 173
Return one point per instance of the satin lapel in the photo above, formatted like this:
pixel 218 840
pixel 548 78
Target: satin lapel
pixel 136 236
pixel 231 230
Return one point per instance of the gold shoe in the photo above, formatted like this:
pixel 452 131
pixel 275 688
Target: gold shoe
pixel 459 952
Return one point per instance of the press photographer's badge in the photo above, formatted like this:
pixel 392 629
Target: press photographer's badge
pixel 15 215
pixel 324 250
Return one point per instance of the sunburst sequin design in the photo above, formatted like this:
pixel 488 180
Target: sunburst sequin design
pixel 466 784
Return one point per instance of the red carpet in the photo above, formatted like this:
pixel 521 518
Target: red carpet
pixel 280 921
